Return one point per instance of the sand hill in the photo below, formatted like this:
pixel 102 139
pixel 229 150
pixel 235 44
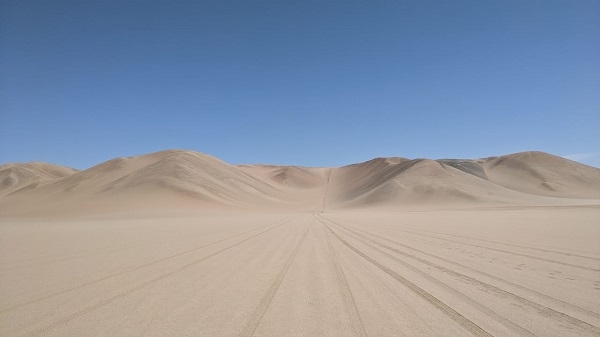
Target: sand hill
pixel 191 180
pixel 544 174
pixel 16 177
pixel 179 243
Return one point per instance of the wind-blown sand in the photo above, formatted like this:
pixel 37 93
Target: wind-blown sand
pixel 179 243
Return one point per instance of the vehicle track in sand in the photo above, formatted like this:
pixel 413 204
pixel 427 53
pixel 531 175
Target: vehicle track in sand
pixel 514 327
pixel 470 326
pixel 344 288
pixel 326 190
pixel 545 250
pixel 265 301
pixel 98 305
pixel 318 274
pixel 497 250
pixel 541 309
pixel 559 302
pixel 106 250
pixel 129 270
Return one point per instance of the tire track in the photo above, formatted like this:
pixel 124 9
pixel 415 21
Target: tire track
pixel 475 329
pixel 515 285
pixel 140 286
pixel 542 310
pixel 515 245
pixel 264 303
pixel 103 250
pixel 123 272
pixel 510 325
pixel 503 251
pixel 326 190
pixel 347 297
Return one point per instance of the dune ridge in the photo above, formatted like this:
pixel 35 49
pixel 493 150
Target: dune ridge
pixel 188 179
pixel 25 176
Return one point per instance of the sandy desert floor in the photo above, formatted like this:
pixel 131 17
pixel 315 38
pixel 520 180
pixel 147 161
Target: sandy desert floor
pixel 482 272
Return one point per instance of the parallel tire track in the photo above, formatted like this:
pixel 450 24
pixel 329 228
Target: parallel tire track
pixel 512 284
pixel 140 286
pixel 504 251
pixel 510 325
pixel 264 303
pixel 515 245
pixel 475 329
pixel 557 315
pixel 348 298
pixel 123 272
pixel 105 250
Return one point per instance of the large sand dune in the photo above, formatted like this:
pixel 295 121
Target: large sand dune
pixel 544 174
pixel 25 176
pixel 186 179
pixel 179 243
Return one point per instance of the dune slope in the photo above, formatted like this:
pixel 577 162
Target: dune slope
pixel 544 174
pixel 186 179
pixel 16 177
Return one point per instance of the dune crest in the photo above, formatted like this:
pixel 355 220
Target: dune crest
pixel 16 177
pixel 188 179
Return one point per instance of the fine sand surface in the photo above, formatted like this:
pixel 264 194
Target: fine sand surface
pixel 521 271
pixel 180 243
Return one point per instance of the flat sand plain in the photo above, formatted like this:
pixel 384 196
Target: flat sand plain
pixel 513 271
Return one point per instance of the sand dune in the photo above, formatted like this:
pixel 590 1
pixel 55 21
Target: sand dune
pixel 412 182
pixel 186 179
pixel 25 176
pixel 179 243
pixel 544 174
pixel 289 176
pixel 304 188
pixel 399 182
pixel 167 179
pixel 195 175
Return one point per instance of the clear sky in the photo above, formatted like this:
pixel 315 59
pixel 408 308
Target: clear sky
pixel 315 83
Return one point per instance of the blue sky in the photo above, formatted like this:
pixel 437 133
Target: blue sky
pixel 315 83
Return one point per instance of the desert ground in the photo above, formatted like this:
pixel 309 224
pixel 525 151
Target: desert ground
pixel 181 244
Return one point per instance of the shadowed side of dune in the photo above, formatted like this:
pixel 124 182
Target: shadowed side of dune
pixel 519 179
pixel 17 177
pixel 408 182
pixel 303 187
pixel 544 174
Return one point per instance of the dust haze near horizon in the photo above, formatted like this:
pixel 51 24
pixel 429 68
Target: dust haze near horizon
pixel 188 180
pixel 305 83
pixel 180 243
